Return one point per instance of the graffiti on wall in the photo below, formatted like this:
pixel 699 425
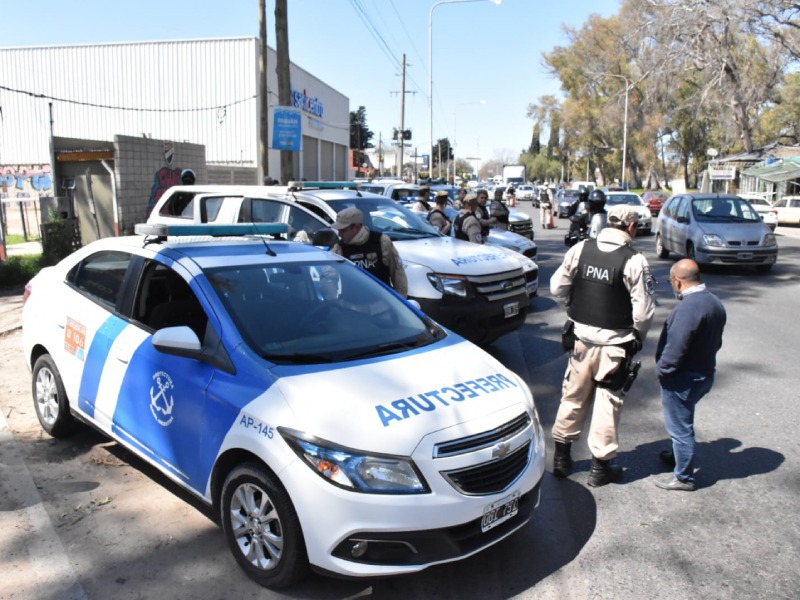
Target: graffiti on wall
pixel 25 179
pixel 164 179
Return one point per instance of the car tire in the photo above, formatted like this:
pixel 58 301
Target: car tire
pixel 262 527
pixel 50 398
pixel 661 251
pixel 690 253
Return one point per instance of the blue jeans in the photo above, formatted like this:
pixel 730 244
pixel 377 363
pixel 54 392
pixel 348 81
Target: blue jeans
pixel 678 398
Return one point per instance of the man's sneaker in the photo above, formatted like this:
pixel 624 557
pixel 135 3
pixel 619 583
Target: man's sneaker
pixel 670 482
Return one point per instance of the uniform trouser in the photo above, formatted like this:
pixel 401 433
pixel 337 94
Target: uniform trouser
pixel 545 215
pixel 579 391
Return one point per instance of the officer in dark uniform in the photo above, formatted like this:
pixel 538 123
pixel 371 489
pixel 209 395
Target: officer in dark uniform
pixel 372 251
pixel 609 292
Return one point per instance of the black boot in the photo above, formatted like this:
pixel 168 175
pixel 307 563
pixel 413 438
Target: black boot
pixel 603 472
pixel 562 461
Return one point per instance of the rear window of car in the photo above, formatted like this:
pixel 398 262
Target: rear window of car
pixel 100 276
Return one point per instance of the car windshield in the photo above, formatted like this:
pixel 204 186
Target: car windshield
pixel 387 216
pixel 632 199
pixel 306 312
pixel 723 210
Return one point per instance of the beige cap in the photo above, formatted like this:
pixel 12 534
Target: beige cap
pixel 623 214
pixel 441 195
pixel 349 216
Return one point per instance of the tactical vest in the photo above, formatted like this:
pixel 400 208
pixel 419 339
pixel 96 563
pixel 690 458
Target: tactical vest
pixel 598 296
pixel 444 216
pixel 483 215
pixel 369 257
pixel 458 225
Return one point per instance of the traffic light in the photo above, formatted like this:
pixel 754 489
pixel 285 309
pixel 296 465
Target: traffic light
pixel 406 134
pixel 452 155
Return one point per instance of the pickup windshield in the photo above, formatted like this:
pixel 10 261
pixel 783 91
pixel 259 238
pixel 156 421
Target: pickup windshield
pixel 387 216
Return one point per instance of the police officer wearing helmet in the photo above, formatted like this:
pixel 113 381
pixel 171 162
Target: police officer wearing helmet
pixel 609 293
pixel 372 251
pixel 597 214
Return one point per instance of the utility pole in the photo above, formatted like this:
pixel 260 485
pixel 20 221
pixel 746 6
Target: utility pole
pixel 263 145
pixel 284 81
pixel 402 134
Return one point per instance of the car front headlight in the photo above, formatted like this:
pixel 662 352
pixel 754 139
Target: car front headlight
pixel 451 285
pixel 712 239
pixel 769 239
pixel 355 470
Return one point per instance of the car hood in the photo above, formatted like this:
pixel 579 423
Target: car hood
pixel 376 406
pixel 732 231
pixel 509 239
pixel 451 255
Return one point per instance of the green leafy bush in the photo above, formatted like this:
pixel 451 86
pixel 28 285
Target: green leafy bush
pixel 18 270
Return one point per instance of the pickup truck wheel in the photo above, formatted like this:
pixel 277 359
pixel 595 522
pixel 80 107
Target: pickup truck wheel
pixel 660 249
pixel 50 398
pixel 262 528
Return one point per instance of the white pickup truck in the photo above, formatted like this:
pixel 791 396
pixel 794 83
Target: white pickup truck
pixel 480 292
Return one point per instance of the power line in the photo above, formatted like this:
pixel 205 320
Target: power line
pixel 223 107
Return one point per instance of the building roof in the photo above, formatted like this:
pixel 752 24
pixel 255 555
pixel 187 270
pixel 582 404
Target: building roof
pixel 776 171
pixel 773 150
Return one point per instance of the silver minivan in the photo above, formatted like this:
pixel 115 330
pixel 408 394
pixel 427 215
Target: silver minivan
pixel 717 229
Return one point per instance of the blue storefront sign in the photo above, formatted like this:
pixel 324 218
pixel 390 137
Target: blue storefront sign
pixel 287 128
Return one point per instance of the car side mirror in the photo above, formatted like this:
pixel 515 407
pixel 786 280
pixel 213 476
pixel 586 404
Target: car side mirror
pixel 178 341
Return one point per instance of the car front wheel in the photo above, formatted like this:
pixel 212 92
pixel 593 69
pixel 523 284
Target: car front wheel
pixel 262 527
pixel 661 251
pixel 50 398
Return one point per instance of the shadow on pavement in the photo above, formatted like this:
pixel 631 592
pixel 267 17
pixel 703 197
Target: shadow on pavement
pixel 714 461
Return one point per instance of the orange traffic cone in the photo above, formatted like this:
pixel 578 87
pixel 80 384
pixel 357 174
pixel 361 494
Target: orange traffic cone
pixel 552 222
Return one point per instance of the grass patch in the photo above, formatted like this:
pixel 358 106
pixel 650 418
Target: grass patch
pixel 18 238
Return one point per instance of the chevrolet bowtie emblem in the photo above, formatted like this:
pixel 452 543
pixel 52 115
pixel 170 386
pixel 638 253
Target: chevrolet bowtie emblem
pixel 501 450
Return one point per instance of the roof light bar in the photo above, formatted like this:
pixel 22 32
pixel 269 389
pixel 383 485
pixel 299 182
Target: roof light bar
pixel 235 230
pixel 324 185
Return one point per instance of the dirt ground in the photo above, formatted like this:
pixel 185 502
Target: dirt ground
pixel 82 518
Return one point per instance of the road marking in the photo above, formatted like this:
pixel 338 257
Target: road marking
pixel 49 572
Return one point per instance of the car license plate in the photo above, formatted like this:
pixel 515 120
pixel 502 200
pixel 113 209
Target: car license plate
pixel 511 309
pixel 499 512
pixel 744 255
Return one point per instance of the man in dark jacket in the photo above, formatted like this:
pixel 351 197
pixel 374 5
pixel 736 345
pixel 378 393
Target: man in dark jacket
pixel 685 365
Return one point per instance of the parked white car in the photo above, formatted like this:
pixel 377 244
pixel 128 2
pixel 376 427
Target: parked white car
pixel 788 209
pixel 645 225
pixel 767 212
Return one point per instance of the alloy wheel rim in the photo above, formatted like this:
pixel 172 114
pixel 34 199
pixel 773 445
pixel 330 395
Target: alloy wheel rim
pixel 47 396
pixel 256 526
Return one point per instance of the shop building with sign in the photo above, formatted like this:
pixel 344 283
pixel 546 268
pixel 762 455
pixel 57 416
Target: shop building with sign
pixel 104 129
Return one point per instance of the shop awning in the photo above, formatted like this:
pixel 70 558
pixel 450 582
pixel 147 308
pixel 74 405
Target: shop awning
pixel 786 170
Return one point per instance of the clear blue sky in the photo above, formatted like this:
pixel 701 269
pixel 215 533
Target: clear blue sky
pixel 481 51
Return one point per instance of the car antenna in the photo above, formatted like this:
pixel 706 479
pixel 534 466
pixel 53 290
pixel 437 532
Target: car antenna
pixel 270 251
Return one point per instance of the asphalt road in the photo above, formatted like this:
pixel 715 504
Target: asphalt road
pixel 84 519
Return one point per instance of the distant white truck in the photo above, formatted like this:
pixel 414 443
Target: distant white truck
pixel 513 175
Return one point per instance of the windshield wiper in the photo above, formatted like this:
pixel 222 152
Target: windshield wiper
pixel 298 358
pixel 409 230
pixel 383 349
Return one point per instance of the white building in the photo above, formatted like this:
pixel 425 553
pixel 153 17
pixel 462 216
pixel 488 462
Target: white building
pixel 142 112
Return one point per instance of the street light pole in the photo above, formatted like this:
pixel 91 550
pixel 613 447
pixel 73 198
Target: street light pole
pixel 628 86
pixel 453 145
pixel 430 69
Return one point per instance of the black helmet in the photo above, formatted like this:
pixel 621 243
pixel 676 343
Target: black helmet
pixel 583 193
pixel 597 200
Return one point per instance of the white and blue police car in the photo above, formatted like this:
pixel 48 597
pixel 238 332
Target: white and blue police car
pixel 328 422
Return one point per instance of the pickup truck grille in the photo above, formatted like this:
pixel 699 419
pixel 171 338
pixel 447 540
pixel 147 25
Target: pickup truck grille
pixel 523 228
pixel 499 286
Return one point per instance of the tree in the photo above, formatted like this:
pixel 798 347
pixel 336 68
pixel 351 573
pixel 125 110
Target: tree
pixel 360 135
pixel 284 79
